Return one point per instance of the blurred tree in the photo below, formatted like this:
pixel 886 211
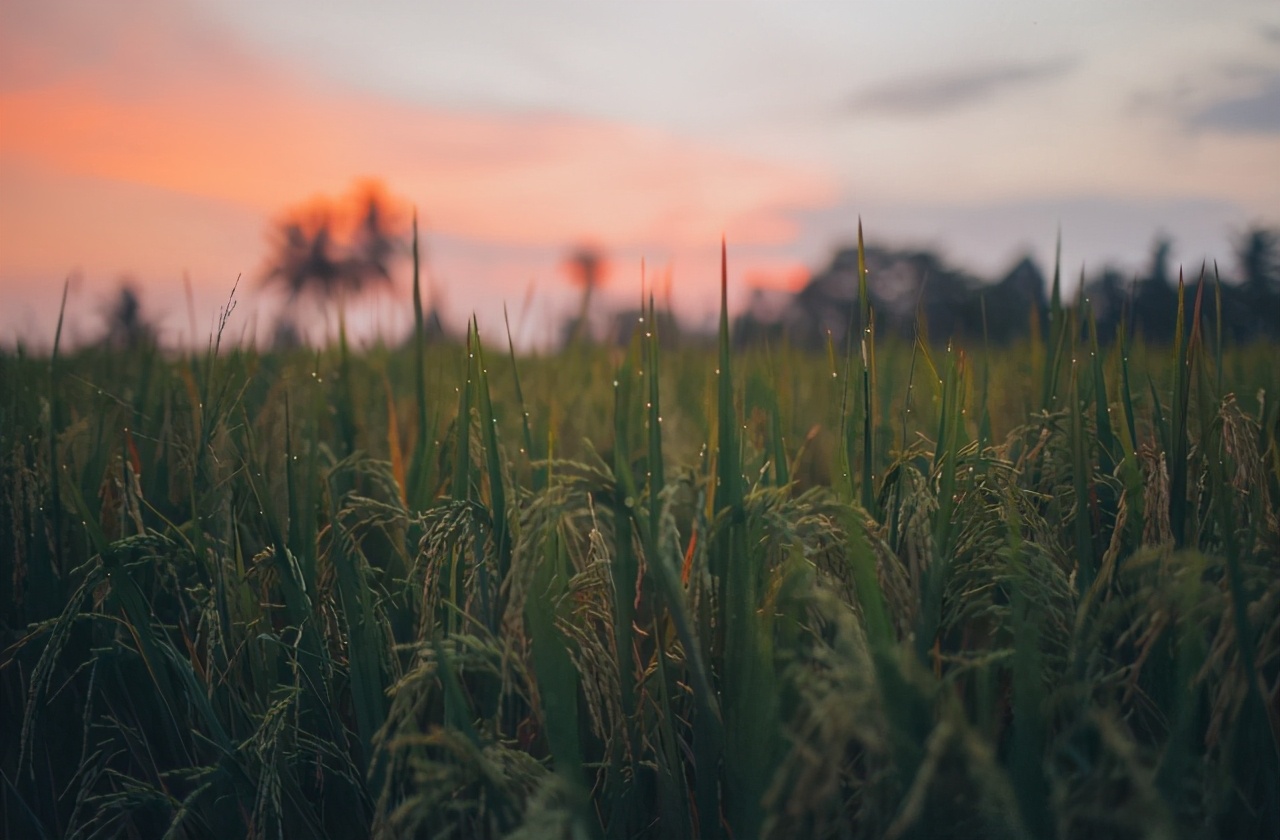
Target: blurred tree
pixel 1109 300
pixel 328 250
pixel 1155 298
pixel 587 269
pixel 1258 252
pixel 127 328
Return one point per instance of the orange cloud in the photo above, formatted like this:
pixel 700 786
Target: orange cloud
pixel 515 178
pixel 146 141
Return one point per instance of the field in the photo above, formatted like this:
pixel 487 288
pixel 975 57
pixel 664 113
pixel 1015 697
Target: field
pixel 895 590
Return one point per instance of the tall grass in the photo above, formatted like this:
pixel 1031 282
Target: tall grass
pixel 436 591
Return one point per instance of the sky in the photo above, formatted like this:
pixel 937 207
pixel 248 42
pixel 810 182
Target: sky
pixel 159 139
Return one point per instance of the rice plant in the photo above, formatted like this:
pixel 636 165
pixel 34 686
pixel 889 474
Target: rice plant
pixel 905 590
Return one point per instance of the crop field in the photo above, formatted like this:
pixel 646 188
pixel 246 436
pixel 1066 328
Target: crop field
pixel 667 591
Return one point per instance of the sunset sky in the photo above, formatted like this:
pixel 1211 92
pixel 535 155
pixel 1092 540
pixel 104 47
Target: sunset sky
pixel 153 138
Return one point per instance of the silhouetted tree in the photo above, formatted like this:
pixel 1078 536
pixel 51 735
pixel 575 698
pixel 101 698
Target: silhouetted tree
pixel 904 282
pixel 1108 298
pixel 1013 301
pixel 328 250
pixel 1155 298
pixel 1258 254
pixel 127 327
pixel 587 268
pixel 1258 251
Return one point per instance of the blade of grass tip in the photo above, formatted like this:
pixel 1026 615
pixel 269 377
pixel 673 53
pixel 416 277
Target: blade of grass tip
pixel 1130 473
pixel 708 728
pixel 1219 360
pixel 1181 396
pixel 538 474
pixel 750 689
pixel 625 571
pixel 497 491
pixel 422 448
pixel 1053 349
pixel 726 561
pixel 867 342
pixel 1106 439
pixel 460 488
pixel 777 447
pixel 946 454
pixel 46 578
pixel 922 345
pixel 842 482
pixel 657 475
pixel 1126 391
pixel 728 490
pixel 848 425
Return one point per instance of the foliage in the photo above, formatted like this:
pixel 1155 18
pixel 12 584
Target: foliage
pixel 328 248
pixel 435 592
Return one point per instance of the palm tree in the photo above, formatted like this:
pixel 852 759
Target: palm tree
pixel 127 327
pixel 586 266
pixel 329 250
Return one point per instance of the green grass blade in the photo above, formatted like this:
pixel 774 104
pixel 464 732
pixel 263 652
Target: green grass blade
pixel 493 463
pixel 867 344
pixel 1082 492
pixel 945 458
pixel 556 675
pixel 539 474
pixel 1178 443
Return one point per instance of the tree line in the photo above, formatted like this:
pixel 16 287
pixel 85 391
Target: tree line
pixel 914 288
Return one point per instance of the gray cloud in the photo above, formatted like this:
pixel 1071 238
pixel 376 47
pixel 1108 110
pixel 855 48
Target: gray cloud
pixel 1257 113
pixel 947 90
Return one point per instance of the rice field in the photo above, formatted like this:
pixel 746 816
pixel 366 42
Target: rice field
pixel 892 591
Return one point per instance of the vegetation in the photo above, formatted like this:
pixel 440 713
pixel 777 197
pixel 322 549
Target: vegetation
pixel 328 250
pixel 999 311
pixel 889 591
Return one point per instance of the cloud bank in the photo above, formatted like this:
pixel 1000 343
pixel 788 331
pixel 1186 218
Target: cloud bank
pixel 1256 113
pixel 956 88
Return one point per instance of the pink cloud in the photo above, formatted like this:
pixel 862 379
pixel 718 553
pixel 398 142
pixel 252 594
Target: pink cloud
pixel 151 95
pixel 522 179
pixel 145 140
